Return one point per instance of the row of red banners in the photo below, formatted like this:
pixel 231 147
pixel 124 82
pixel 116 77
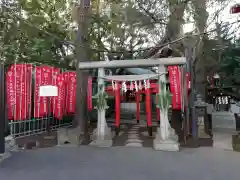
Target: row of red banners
pixel 175 85
pixel 22 90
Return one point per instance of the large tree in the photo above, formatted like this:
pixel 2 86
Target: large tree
pixel 34 32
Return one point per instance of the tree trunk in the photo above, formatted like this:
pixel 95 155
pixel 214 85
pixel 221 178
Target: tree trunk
pixel 81 117
pixel 200 17
pixel 174 26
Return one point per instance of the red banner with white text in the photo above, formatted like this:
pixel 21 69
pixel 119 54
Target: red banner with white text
pixel 174 79
pixel 59 101
pixel 11 95
pixel 46 79
pixel 18 82
pixel 54 73
pixel 43 76
pixel 71 85
pixel 29 89
pixel 38 112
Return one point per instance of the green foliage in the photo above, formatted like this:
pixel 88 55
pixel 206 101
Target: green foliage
pixel 35 30
pixel 118 25
pixel 24 28
pixel 101 97
pixel 230 65
pixel 164 97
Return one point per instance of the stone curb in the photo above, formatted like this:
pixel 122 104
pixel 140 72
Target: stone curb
pixel 4 156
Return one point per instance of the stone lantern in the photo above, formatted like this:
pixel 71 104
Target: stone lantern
pixel 216 80
pixel 201 110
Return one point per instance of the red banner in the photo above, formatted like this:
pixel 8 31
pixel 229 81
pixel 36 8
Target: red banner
pixel 71 85
pixel 188 80
pixel 11 95
pixel 38 112
pixel 18 91
pixel 42 77
pixel 89 94
pixel 59 101
pixel 174 78
pixel 53 72
pixel 47 74
pixel 66 78
pixel 29 90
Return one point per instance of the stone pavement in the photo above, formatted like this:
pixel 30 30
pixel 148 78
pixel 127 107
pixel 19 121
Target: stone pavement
pixel 121 163
pixel 134 137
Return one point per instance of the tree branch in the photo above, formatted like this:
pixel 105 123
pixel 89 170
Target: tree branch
pixel 151 15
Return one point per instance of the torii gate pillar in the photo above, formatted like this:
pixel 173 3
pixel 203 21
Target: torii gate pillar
pixel 102 135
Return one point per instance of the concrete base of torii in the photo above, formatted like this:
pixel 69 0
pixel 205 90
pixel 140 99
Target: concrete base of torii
pixel 104 140
pixel 170 144
pixel 102 135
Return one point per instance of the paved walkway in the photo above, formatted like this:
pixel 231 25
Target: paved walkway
pixel 134 137
pixel 121 163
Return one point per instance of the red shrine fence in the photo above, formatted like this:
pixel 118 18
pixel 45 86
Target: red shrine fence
pixel 28 113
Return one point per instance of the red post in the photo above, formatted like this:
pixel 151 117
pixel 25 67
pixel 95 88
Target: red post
pixel 89 94
pixel 148 110
pixel 157 109
pixel 117 107
pixel 138 106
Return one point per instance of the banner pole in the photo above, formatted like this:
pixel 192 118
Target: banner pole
pixel 2 109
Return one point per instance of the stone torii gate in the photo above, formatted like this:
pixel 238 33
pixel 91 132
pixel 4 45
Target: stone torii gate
pixel 103 133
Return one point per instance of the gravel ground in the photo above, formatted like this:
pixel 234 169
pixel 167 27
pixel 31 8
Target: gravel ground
pixel 121 163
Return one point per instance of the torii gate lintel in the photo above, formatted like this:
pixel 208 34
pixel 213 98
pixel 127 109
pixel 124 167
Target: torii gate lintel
pixel 132 63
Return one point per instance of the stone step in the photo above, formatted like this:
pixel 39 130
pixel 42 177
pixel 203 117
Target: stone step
pixel 134 137
pixel 136 126
pixel 222 140
pixel 133 141
pixel 134 145
pixel 133 132
pixel 134 129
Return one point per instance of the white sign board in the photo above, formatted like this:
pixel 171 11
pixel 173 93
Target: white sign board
pixel 48 91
